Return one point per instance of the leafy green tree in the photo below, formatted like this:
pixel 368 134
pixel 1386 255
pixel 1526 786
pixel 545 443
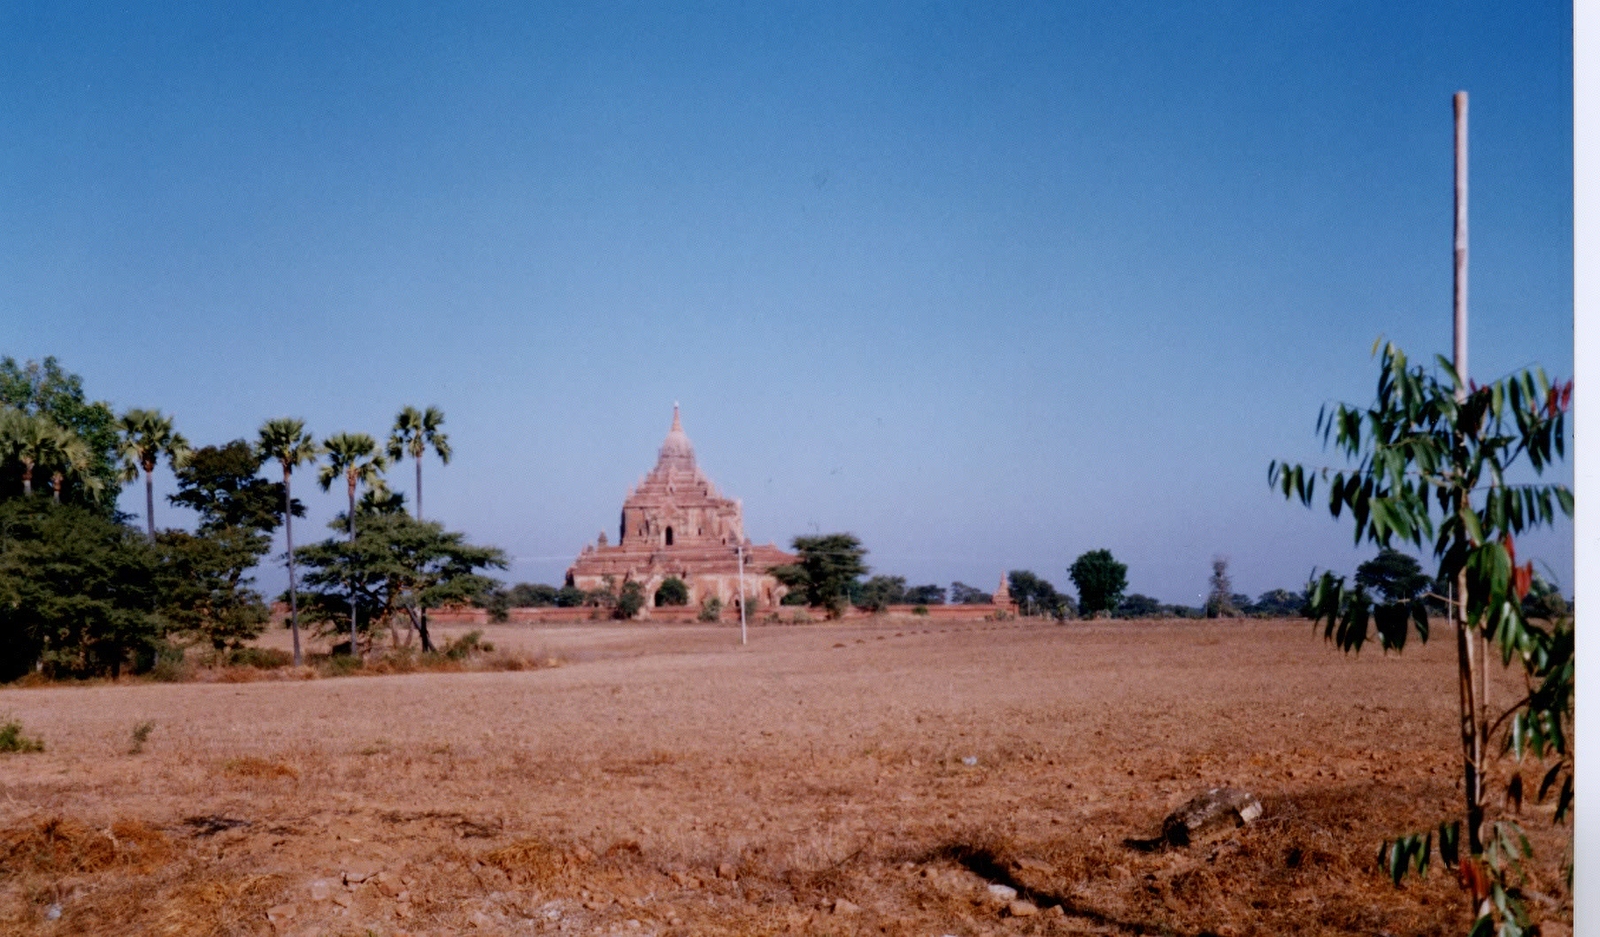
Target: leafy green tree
pixel 829 567
pixel 147 435
pixel 673 591
pixel 355 458
pixel 534 595
pixel 394 565
pixel 570 596
pixel 1100 580
pixel 963 594
pixel 415 432
pixel 203 592
pixel 880 592
pixel 1397 577
pixel 222 485
pixel 1279 603
pixel 286 441
pixel 925 595
pixel 1220 601
pixel 46 390
pixel 206 592
pixel 76 591
pixel 629 600
pixel 1034 595
pixel 1432 456
pixel 1138 606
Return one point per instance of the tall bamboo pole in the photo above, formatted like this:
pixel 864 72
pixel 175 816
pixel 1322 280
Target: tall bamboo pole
pixel 1472 655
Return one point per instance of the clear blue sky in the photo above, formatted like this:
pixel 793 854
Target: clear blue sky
pixel 987 285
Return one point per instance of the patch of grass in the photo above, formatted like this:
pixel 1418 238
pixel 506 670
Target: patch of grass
pixel 140 735
pixel 12 739
pixel 59 846
pixel 250 766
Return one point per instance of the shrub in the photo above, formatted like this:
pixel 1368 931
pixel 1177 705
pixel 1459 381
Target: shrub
pixel 920 610
pixel 12 739
pixel 139 736
pixel 262 658
pixel 711 609
pixel 467 645
pixel 673 591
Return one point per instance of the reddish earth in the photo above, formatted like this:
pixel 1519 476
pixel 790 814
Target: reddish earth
pixel 865 777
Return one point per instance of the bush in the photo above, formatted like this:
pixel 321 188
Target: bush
pixel 339 665
pixel 711 609
pixel 12 739
pixel 920 610
pixel 673 591
pixel 261 658
pixel 468 645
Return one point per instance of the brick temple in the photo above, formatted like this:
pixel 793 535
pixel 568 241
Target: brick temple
pixel 676 523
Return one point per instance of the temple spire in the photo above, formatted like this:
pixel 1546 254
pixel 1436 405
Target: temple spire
pixel 676 423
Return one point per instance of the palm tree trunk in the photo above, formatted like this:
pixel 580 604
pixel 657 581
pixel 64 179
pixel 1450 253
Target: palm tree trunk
pixel 55 486
pixel 27 479
pixel 352 558
pixel 150 503
pixel 422 610
pixel 288 538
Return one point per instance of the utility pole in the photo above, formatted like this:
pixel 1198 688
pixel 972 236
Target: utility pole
pixel 744 634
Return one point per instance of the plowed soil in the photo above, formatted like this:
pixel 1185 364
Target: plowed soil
pixel 870 777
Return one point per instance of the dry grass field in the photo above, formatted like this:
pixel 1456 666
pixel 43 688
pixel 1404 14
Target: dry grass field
pixel 871 777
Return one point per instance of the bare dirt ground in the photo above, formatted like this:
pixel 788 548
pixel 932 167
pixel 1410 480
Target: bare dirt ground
pixel 865 778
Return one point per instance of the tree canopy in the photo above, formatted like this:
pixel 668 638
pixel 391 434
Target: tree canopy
pixel 1100 580
pixel 395 566
pixel 829 567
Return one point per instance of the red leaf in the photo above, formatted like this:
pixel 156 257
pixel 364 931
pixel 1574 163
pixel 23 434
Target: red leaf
pixel 1522 580
pixel 1511 549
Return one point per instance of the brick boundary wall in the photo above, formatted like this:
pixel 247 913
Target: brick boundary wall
pixel 463 615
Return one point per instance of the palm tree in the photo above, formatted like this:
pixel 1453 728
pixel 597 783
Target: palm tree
pixel 413 434
pixel 286 440
pixel 354 456
pixel 73 456
pixel 146 437
pixel 30 440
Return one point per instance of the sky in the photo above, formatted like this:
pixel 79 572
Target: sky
pixel 988 285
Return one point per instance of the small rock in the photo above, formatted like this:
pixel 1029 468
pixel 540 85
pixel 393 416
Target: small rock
pixel 1211 814
pixel 1022 908
pixel 279 913
pixel 725 871
pixel 1055 910
pixel 387 883
pixel 321 890
pixel 582 854
pixel 52 913
pixel 479 919
pixel 841 906
pixel 678 877
pixel 1002 892
pixel 343 900
pixel 970 760
pixel 1034 865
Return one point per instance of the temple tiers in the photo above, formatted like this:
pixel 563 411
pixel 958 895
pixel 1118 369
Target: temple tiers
pixel 676 523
